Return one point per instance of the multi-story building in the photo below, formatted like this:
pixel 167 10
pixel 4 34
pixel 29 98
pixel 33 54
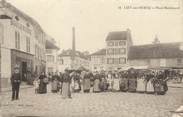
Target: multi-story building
pixel 115 55
pixel 157 55
pixel 117 47
pixel 66 62
pixel 51 55
pixel 22 43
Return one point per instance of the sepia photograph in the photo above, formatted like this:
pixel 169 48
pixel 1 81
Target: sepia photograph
pixel 91 58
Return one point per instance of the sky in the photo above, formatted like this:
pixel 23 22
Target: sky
pixel 94 19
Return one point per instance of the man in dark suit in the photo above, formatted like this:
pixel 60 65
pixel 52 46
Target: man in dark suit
pixel 15 82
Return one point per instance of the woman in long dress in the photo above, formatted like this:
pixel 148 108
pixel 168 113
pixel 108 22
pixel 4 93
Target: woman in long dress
pixel 141 83
pixel 132 82
pixel 123 82
pixel 96 87
pixel 103 83
pixel 86 83
pixel 110 81
pixel 55 83
pixel 43 83
pixel 150 85
pixel 77 84
pixel 116 86
pixel 66 91
pixel 159 87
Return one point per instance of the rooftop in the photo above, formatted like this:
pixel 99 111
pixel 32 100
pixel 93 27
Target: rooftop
pixel 117 35
pixel 100 52
pixel 21 14
pixel 69 53
pixel 161 50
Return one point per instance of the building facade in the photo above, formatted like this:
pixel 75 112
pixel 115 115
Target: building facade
pixel 158 55
pixel 66 62
pixel 115 55
pixel 98 60
pixel 22 43
pixel 117 47
pixel 51 55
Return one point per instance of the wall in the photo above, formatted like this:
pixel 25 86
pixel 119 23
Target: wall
pixel 53 64
pixel 154 63
pixel 81 62
pixel 5 67
pixel 66 63
pixel 6 45
pixel 98 63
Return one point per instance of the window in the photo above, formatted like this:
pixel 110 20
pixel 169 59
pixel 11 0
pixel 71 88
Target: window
pixel 116 43
pixel 17 40
pixel 122 51
pixel 110 43
pixel 116 60
pixel 116 51
pixel 36 50
pixel 122 60
pixel 109 60
pixel 102 60
pixel 60 60
pixel 110 51
pixel 50 58
pixel 28 44
pixel 122 43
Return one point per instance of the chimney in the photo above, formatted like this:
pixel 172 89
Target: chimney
pixel 156 40
pixel 73 43
pixel 73 51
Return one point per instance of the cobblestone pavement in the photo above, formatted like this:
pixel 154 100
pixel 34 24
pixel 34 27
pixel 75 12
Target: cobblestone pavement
pixel 105 104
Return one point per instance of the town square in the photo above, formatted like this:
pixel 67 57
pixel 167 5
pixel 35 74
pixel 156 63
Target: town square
pixel 92 104
pixel 116 58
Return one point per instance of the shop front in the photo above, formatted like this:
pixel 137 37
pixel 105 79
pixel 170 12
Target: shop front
pixel 25 63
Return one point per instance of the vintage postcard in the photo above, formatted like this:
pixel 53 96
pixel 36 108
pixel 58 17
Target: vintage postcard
pixel 91 58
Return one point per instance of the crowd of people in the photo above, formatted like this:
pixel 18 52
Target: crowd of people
pixel 140 81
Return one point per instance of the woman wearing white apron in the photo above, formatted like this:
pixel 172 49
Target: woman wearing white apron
pixel 96 87
pixel 150 87
pixel 110 81
pixel 116 83
pixel 66 91
pixel 141 84
pixel 86 83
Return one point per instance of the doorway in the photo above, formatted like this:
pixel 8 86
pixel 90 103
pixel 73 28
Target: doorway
pixel 24 71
